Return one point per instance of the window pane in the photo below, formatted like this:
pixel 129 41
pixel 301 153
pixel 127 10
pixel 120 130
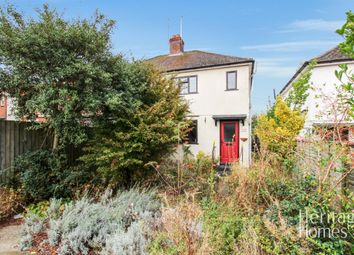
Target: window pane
pixel 231 80
pixel 193 84
pixel 229 132
pixel 184 88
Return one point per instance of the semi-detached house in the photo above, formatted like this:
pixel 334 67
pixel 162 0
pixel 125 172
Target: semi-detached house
pixel 218 89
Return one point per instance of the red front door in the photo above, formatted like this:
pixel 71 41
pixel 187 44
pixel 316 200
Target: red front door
pixel 229 137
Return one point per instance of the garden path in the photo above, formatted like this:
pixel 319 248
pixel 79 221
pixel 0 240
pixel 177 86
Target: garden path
pixel 10 239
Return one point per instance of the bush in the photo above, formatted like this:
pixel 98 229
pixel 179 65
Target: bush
pixel 10 203
pixel 119 224
pixel 224 226
pixel 139 125
pixel 39 209
pixel 278 129
pixel 40 175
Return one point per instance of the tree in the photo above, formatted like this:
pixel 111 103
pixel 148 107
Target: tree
pixel 124 113
pixel 56 68
pixel 347 47
pixel 347 31
pixel 299 89
pixel 148 130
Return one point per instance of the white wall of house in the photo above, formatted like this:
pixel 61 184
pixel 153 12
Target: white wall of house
pixel 213 99
pixel 322 94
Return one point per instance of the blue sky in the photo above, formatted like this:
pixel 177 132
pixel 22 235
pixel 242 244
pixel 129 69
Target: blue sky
pixel 279 35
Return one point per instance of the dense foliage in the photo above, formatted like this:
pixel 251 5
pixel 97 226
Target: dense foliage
pixel 347 47
pixel 300 89
pixel 39 176
pixel 57 69
pixel 145 129
pixel 347 31
pixel 124 114
pixel 278 129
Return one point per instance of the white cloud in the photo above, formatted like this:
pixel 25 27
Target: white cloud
pixel 275 71
pixel 313 25
pixel 275 67
pixel 291 46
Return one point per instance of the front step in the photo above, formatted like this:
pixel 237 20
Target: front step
pixel 223 169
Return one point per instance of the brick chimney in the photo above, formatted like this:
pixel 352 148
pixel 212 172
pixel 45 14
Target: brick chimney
pixel 176 45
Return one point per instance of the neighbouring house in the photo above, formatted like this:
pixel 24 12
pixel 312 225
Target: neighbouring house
pixel 322 97
pixel 218 89
pixel 323 88
pixel 3 106
pixel 7 108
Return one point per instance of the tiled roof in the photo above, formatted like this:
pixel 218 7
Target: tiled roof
pixel 332 56
pixel 194 59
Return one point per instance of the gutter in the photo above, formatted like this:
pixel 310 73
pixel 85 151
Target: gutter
pixel 209 66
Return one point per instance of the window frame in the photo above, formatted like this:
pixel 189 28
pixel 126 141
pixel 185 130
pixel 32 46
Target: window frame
pixel 227 80
pixel 188 82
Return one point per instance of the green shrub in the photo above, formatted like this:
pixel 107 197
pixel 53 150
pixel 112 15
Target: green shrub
pixel 293 197
pixel 303 195
pixel 162 245
pixel 39 209
pixel 141 122
pixel 224 226
pixel 40 175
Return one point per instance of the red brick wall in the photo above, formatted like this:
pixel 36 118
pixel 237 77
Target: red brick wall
pixel 176 44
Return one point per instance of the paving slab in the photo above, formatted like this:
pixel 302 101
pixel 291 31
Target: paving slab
pixel 10 240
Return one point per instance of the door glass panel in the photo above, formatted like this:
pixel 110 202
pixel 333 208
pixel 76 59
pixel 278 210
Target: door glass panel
pixel 229 132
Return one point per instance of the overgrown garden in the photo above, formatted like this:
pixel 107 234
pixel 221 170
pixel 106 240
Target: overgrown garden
pixel 122 193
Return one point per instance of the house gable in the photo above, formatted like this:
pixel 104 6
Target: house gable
pixel 333 56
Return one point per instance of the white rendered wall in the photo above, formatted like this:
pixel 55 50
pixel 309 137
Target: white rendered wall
pixel 213 99
pixel 322 94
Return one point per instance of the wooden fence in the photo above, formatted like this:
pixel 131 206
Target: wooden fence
pixel 16 139
pixel 309 159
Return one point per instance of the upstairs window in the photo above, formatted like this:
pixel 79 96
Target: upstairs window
pixel 188 84
pixel 231 80
pixel 192 135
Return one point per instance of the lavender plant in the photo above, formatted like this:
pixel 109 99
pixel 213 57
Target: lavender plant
pixel 109 224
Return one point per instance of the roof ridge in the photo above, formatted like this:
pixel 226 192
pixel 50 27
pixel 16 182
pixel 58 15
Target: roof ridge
pixel 218 54
pixel 204 52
